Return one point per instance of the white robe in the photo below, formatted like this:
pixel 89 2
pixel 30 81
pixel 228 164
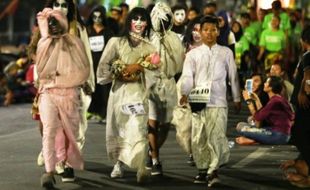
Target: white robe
pixel 126 135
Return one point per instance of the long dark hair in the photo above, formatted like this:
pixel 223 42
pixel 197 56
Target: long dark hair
pixel 239 33
pixel 71 10
pixel 140 12
pixel 188 36
pixel 103 16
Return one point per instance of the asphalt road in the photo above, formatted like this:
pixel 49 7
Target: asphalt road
pixel 250 167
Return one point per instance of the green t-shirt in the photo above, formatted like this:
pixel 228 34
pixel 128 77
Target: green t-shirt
pixel 257 26
pixel 273 41
pixel 240 47
pixel 294 34
pixel 284 21
pixel 250 34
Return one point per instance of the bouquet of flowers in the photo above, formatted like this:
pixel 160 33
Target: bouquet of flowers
pixel 150 62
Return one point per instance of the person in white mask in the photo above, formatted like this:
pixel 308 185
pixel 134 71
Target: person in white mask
pixel 125 61
pixel 179 20
pixel 99 34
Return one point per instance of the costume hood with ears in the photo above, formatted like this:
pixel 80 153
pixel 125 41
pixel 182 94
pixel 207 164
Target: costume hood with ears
pixel 161 17
pixel 43 17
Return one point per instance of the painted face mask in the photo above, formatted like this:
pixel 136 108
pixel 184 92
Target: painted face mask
pixel 196 33
pixel 179 16
pixel 97 17
pixel 61 5
pixel 138 25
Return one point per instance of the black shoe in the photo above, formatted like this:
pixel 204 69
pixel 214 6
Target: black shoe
pixel 47 181
pixel 191 161
pixel 213 179
pixel 149 163
pixel 201 178
pixel 68 175
pixel 157 169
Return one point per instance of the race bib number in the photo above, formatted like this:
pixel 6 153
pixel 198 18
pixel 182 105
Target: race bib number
pixel 96 43
pixel 133 109
pixel 200 94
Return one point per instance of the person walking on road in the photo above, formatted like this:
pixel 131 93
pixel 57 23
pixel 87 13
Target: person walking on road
pixel 204 81
pixel 62 67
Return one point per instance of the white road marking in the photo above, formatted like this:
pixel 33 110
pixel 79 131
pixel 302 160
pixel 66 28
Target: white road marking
pixel 251 157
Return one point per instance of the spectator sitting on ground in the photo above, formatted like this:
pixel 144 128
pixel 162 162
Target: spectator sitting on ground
pixel 277 113
pixel 258 89
pixel 19 90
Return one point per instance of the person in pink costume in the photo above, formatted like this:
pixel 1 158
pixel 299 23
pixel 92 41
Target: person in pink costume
pixel 62 67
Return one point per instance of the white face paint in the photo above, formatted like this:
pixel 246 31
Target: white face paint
pixel 179 16
pixel 97 17
pixel 196 33
pixel 61 5
pixel 138 25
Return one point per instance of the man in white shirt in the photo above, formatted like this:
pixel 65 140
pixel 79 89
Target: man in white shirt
pixel 204 80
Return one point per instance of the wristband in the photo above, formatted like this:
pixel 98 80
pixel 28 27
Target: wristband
pixel 249 101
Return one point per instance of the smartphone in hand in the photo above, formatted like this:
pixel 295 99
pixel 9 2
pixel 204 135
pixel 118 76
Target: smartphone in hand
pixel 249 86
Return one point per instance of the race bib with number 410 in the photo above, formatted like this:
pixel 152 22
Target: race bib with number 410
pixel 201 94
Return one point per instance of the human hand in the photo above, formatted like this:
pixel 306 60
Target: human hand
pixel 254 96
pixel 183 100
pixel 87 89
pixel 246 95
pixel 130 78
pixel 132 69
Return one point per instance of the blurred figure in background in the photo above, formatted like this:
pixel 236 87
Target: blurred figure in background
pixel 192 13
pixel 179 12
pixel 99 34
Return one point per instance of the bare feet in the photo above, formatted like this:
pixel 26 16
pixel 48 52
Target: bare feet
pixel 303 183
pixel 245 141
pixel 299 177
pixel 294 177
pixel 300 166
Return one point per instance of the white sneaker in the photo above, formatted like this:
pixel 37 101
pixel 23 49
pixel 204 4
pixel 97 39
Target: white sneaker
pixel 117 171
pixel 40 159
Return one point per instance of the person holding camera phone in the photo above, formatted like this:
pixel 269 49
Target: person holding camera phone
pixel 257 87
pixel 277 114
pixel 206 67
